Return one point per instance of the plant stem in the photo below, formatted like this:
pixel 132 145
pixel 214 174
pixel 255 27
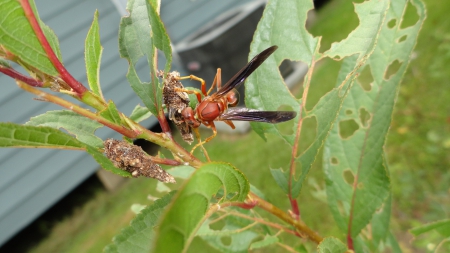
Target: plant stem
pixel 262 221
pixel 18 76
pixel 139 132
pixel 298 224
pixel 78 109
pixel 65 75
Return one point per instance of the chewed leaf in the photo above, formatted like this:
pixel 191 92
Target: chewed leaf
pixel 299 45
pixel 361 41
pixel 331 244
pixel 192 201
pixel 82 127
pixel 237 239
pixel 357 171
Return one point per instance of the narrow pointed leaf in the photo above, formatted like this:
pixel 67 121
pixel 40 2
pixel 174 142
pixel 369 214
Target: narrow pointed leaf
pixel 442 227
pixel 93 54
pixel 356 176
pixel 140 113
pixel 159 35
pixel 192 201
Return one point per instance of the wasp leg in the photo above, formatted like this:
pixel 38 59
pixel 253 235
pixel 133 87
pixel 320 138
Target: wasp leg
pixel 200 143
pixel 196 78
pixel 217 80
pixel 213 127
pixel 199 96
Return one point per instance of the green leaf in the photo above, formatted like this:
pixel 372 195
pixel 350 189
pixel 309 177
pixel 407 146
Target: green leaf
pixel 331 245
pixel 135 41
pixel 356 177
pixel 182 172
pixel 111 113
pixel 281 178
pixel 361 41
pixel 105 162
pixel 140 113
pixel 294 43
pixel 82 127
pixel 237 239
pixel 138 236
pixel 192 202
pixel 159 35
pixel 19 136
pixel 267 241
pixel 93 54
pixel 380 222
pixel 18 37
pixel 442 227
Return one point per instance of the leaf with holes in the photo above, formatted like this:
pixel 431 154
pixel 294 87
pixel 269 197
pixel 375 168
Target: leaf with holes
pixel 301 46
pixel 192 201
pixel 356 175
pixel 331 244
pixel 230 237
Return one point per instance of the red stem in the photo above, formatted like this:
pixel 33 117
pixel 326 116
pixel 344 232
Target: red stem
pixel 65 75
pixel 165 161
pixel 18 76
pixel 163 123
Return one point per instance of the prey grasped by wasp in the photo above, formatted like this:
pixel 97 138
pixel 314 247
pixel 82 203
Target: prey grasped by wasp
pixel 176 101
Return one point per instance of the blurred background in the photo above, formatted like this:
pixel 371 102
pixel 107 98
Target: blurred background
pixel 77 208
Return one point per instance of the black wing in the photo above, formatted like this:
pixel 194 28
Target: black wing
pixel 240 76
pixel 245 114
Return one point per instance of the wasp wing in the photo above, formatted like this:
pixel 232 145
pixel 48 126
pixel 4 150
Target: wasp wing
pixel 245 114
pixel 246 71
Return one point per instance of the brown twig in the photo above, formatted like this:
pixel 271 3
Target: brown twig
pixel 297 224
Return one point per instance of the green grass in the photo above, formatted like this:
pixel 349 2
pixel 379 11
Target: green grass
pixel 417 148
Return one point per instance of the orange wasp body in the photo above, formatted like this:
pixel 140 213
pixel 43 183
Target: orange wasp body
pixel 215 107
